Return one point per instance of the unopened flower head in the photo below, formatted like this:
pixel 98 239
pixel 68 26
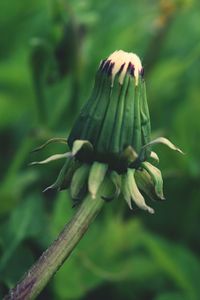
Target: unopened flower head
pixel 121 59
pixel 116 115
pixel 111 138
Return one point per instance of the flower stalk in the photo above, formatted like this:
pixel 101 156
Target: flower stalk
pixel 110 156
pixel 51 260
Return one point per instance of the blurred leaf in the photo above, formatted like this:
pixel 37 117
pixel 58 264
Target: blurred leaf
pixel 170 296
pixel 120 257
pixel 62 212
pixel 11 191
pixel 15 268
pixel 177 263
pixel 25 221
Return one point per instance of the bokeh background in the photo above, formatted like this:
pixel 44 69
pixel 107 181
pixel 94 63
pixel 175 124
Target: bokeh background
pixel 49 51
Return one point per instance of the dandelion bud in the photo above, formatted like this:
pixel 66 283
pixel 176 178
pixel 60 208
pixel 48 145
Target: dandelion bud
pixel 111 138
pixel 116 116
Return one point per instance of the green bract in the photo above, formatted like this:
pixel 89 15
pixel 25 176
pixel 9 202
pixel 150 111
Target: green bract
pixel 111 138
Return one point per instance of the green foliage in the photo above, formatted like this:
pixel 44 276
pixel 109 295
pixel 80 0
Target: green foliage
pixel 48 56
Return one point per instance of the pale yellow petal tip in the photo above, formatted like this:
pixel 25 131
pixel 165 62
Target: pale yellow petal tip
pixel 150 210
pixel 120 58
pixel 180 151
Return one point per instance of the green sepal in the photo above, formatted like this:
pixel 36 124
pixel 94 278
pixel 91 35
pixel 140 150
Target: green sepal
pixel 135 193
pixel 115 145
pixel 51 158
pixel 60 179
pixel 128 115
pixel 125 190
pixel 73 166
pixel 129 155
pixel 79 145
pixel 147 148
pixel 96 177
pixel 146 184
pixel 116 179
pixel 156 176
pixel 164 141
pixel 78 187
pixel 136 137
pixel 96 117
pixel 105 137
pixel 115 186
pixel 81 123
pixel 89 122
pixel 50 141
pixel 154 157
pixel 145 117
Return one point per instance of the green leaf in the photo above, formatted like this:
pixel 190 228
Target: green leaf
pixel 171 296
pixel 177 263
pixel 25 221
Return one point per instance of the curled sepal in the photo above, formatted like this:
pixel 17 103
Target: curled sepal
pixel 162 140
pixel 96 177
pixel 115 186
pixel 51 158
pixel 73 166
pixel 78 185
pixel 59 181
pixel 79 145
pixel 156 176
pixel 126 191
pixel 154 156
pixel 146 184
pixel 135 193
pixel 116 179
pixel 129 154
pixel 53 140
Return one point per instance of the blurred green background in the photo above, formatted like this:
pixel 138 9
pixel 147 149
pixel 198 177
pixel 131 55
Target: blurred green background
pixel 49 51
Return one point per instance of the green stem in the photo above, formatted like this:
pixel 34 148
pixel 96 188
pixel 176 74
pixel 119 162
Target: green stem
pixel 50 261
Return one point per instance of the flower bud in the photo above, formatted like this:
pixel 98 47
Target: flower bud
pixel 111 138
pixel 116 115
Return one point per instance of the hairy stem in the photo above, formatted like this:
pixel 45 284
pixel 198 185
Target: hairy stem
pixel 50 261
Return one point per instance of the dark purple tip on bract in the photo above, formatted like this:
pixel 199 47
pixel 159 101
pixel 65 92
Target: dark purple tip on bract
pixel 121 69
pixel 142 72
pixel 110 69
pixel 106 66
pixel 131 69
pixel 102 64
